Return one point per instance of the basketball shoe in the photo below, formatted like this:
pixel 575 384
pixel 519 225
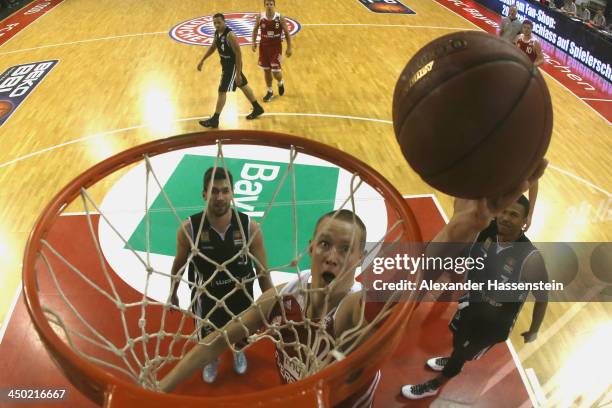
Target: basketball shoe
pixel 209 373
pixel 437 363
pixel 418 391
pixel 240 362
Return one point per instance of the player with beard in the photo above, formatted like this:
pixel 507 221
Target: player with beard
pixel 220 239
pixel 336 249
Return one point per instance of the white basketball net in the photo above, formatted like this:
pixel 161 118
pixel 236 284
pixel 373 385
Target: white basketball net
pixel 148 346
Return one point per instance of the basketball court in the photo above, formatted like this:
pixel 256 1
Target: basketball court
pixel 119 74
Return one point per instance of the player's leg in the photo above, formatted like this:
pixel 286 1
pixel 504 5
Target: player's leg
pixel 461 326
pixel 210 371
pixel 264 63
pixel 248 92
pixel 278 75
pixel 237 303
pixel 200 305
pixel 269 91
pixel 227 84
pixel 276 68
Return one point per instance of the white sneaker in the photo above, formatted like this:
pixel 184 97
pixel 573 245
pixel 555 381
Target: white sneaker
pixel 209 373
pixel 419 391
pixel 437 363
pixel 240 362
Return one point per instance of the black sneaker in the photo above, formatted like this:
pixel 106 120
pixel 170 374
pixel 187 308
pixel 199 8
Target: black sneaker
pixel 419 391
pixel 258 111
pixel 437 363
pixel 210 123
pixel 281 89
pixel 268 96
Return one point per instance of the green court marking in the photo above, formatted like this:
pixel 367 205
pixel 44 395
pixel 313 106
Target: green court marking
pixel 315 193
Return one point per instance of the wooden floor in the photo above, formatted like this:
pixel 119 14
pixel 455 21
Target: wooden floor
pixel 118 66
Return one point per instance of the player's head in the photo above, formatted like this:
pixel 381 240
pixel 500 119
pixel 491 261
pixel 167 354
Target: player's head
pixel 512 219
pixel 270 4
pixel 219 22
pixel 221 190
pixel 336 249
pixel 512 12
pixel 526 27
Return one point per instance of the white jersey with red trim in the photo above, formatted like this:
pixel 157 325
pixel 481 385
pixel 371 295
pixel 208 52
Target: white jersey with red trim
pixel 289 360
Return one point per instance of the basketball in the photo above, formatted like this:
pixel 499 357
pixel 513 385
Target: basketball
pixel 472 115
pixel 5 107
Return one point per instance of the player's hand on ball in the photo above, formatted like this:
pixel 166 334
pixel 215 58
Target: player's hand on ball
pixel 497 205
pixel 529 336
pixel 477 214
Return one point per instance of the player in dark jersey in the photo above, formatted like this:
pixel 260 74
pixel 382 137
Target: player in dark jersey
pixel 335 250
pixel 227 45
pixel 219 235
pixel 529 44
pixel 272 25
pixel 486 317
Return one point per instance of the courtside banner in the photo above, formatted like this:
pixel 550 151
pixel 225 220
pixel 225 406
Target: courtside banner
pixel 17 82
pixel 565 33
pixel 10 26
pixel 386 6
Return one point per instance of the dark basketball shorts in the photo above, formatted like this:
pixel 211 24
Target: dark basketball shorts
pixel 228 79
pixel 473 336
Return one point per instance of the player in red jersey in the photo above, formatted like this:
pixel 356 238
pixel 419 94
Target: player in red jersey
pixel 529 44
pixel 336 249
pixel 272 25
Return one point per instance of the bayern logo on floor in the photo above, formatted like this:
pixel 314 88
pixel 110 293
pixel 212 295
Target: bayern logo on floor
pixel 201 31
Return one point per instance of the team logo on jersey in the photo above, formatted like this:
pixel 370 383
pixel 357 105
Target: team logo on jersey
pixel 201 31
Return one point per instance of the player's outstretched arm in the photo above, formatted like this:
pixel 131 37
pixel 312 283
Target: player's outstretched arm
pixel 213 345
pixel 472 216
pixel 533 196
